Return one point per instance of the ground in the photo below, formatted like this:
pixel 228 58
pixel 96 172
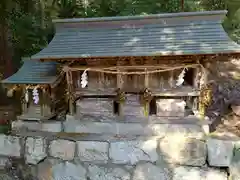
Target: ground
pixel 225 78
pixel 230 123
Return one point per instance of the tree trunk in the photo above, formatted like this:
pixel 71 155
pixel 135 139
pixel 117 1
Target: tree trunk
pixel 5 53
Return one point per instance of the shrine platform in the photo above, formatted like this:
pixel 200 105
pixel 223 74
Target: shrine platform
pixel 130 126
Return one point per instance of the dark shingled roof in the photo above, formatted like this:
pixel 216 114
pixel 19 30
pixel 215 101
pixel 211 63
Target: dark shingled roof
pixel 187 33
pixel 34 72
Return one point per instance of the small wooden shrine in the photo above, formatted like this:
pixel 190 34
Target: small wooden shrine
pixel 37 84
pixel 139 65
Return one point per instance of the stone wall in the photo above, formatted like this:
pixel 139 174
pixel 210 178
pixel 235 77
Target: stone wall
pixel 172 157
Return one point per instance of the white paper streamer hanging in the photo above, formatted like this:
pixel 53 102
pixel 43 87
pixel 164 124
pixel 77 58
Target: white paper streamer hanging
pixel 26 95
pixel 84 80
pixel 10 93
pixel 180 79
pixel 35 95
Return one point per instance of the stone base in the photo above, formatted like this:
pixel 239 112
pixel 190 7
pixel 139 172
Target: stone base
pixel 52 126
pixel 102 125
pixel 136 128
pixel 27 117
pixel 168 158
pixel 94 106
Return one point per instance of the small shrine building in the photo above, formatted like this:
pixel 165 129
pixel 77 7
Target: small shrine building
pixel 149 65
pixel 38 85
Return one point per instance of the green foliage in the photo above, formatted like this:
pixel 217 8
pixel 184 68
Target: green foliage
pixel 23 21
pixel 27 35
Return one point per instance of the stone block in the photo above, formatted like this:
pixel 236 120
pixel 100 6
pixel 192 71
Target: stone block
pixel 206 128
pixel 95 106
pixel 131 152
pixel 62 149
pixel 3 161
pixel 170 107
pixel 133 110
pixel 220 152
pixel 19 125
pixel 10 146
pixel 149 171
pixel 70 118
pixel 5 176
pixel 63 170
pixel 234 167
pixel 105 173
pixel 53 126
pixel 44 170
pixel 132 106
pixel 196 173
pixel 93 151
pixel 177 149
pixel 35 150
pixel 236 109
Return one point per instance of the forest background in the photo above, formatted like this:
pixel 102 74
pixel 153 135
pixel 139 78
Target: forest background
pixel 26 25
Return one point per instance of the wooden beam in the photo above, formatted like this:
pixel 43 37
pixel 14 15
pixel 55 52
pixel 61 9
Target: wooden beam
pixel 133 67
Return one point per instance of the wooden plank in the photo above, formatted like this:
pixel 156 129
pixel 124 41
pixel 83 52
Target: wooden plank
pixel 178 92
pixel 36 118
pixel 156 92
pixel 96 92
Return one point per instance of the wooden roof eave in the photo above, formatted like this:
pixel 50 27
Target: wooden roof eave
pixel 163 35
pixel 166 57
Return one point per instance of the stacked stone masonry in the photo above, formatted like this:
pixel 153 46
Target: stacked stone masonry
pixel 171 157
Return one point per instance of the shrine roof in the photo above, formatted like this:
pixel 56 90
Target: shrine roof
pixel 34 72
pixel 187 33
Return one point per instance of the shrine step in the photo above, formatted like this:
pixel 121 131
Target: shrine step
pixel 138 128
pixel 47 126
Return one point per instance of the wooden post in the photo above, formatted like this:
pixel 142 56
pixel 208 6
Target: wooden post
pixel 203 83
pixel 102 80
pixel 134 76
pixel 171 79
pixel 70 92
pixel 42 101
pixel 46 102
pixel 146 85
pixel 146 81
pixel 161 83
pixel 119 86
pixel 196 85
pixel 196 78
pixel 23 101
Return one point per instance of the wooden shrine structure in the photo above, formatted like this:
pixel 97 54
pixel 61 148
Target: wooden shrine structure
pixel 37 84
pixel 139 65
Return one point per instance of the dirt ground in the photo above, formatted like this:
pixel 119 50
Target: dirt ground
pixel 226 92
pixel 230 124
